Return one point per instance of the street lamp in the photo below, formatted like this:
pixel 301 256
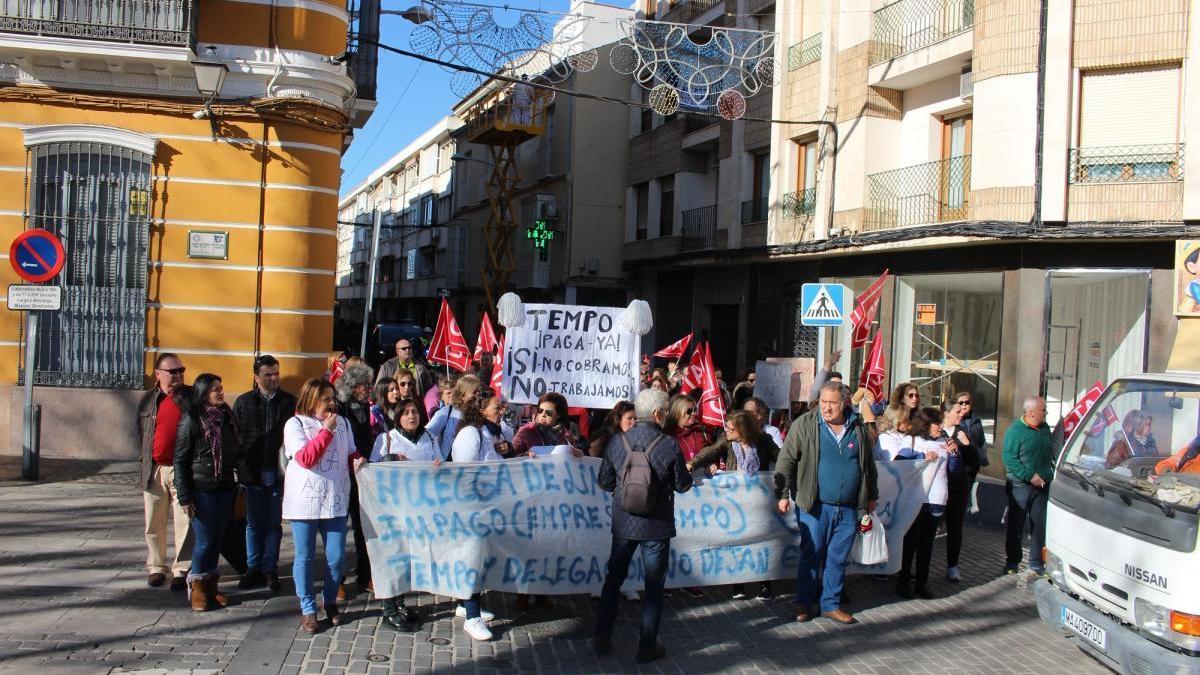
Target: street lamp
pixel 210 77
pixel 415 14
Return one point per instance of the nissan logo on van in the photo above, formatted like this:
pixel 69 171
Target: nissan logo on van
pixel 1145 576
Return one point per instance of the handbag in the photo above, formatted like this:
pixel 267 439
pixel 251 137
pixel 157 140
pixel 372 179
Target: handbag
pixel 870 546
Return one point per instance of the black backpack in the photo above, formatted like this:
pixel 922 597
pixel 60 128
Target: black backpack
pixel 638 494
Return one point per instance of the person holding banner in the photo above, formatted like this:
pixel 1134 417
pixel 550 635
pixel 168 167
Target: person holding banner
pixel 316 493
pixel 444 423
pixel 743 447
pixel 652 532
pixel 406 441
pixel 927 443
pixel 828 468
pixel 551 426
pixel 472 444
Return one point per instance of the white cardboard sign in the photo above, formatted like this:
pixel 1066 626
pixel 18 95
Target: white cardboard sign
pixel 773 383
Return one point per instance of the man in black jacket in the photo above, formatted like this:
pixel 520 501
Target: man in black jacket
pixel 653 532
pixel 261 414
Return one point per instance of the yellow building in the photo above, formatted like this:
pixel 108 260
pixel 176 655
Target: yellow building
pixel 198 223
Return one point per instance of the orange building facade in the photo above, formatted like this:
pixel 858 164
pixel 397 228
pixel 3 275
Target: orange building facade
pixel 202 224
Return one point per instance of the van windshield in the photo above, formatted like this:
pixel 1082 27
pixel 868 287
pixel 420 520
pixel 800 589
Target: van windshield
pixel 1141 440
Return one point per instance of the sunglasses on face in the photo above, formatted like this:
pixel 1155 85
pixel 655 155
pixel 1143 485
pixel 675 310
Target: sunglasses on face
pixel 963 402
pixel 404 349
pixel 912 395
pixel 689 411
pixel 174 371
pixel 548 412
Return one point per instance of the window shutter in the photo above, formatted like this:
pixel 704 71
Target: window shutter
pixel 1130 107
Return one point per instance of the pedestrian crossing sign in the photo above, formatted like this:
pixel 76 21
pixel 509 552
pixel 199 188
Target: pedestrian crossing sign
pixel 824 304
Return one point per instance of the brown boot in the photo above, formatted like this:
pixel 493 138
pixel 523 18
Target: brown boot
pixel 214 593
pixel 198 593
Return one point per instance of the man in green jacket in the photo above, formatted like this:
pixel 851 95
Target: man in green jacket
pixel 827 466
pixel 1029 468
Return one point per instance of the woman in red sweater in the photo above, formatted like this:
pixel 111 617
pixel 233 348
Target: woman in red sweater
pixel 683 423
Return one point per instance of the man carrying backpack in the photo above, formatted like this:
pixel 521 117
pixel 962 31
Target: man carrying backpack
pixel 643 468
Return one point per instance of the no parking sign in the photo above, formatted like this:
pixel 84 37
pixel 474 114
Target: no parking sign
pixel 36 255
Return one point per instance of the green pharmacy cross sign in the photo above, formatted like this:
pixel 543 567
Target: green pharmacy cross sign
pixel 540 233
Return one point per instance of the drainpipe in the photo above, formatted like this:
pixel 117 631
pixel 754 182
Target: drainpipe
pixel 1039 149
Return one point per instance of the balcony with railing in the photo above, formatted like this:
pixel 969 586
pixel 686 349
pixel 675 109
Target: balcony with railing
pixel 908 25
pixel 686 11
pixel 804 52
pixel 699 229
pixel 170 23
pixel 800 203
pixel 755 210
pixel 1128 164
pixel 933 192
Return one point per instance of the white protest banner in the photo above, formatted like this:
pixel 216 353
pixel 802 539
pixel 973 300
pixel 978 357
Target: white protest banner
pixel 543 526
pixel 579 352
pixel 803 373
pixel 773 383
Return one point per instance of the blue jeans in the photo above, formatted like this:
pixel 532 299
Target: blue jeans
pixel 472 605
pixel 1026 508
pixel 304 537
pixel 264 525
pixel 655 554
pixel 213 513
pixel 826 535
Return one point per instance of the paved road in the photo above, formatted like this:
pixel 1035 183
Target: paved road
pixel 73 599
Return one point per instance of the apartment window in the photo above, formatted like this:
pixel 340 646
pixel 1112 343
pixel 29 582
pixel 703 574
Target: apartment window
pixel 804 200
pixel 387 266
pixel 1128 126
pixel 445 151
pixel 427 216
pixel 955 172
pixel 94 194
pixel 666 207
pixel 643 208
pixel 443 209
pixel 410 258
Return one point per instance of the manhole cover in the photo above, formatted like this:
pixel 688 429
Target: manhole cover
pixel 377 658
pixel 441 642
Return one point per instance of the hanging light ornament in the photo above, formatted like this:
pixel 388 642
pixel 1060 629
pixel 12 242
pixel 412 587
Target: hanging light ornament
pixel 544 47
pixel 664 99
pixel 710 69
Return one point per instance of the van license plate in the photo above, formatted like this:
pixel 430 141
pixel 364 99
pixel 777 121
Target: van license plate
pixel 1084 628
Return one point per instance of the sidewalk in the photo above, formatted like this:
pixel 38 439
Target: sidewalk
pixel 73 599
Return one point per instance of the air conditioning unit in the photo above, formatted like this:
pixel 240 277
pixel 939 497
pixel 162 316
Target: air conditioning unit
pixel 966 84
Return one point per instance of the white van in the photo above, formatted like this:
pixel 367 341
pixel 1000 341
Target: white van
pixel 1121 533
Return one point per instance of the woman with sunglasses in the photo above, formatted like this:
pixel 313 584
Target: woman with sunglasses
pixel 316 493
pixel 406 441
pixel 551 425
pixel 972 449
pixel 683 423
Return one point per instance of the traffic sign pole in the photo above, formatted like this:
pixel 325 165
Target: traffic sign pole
pixel 30 448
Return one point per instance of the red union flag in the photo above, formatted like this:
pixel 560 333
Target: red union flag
pixel 873 371
pixel 864 312
pixel 693 377
pixel 448 345
pixel 1073 418
pixel 712 404
pixel 676 350
pixel 487 338
pixel 498 370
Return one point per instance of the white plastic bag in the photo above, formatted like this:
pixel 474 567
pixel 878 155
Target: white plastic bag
pixel 870 547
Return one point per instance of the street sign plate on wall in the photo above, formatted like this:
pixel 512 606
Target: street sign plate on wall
pixel 37 298
pixel 36 255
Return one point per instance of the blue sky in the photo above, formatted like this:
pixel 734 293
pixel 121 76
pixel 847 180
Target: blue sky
pixel 412 96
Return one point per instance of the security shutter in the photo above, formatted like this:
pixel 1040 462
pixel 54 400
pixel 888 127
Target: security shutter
pixel 1130 107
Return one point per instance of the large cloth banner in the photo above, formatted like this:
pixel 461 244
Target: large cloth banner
pixel 543 526
pixel 579 352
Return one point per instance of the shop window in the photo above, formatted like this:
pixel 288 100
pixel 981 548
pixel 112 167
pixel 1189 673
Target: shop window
pixel 1097 331
pixel 946 338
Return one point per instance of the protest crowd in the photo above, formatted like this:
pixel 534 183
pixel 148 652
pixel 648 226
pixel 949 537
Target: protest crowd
pixel 275 456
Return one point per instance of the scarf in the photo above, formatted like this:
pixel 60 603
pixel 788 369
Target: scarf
pixel 747 457
pixel 212 419
pixel 413 436
pixel 1192 452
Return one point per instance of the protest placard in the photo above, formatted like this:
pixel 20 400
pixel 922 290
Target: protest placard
pixel 773 383
pixel 582 353
pixel 804 371
pixel 543 526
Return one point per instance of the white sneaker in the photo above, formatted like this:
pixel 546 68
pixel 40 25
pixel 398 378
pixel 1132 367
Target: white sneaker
pixel 952 574
pixel 461 612
pixel 478 630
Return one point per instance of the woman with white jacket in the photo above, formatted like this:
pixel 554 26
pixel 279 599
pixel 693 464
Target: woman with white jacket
pixel 444 423
pixel 316 495
pixel 927 443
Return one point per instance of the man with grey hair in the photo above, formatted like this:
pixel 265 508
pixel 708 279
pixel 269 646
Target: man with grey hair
pixel 828 467
pixel 1029 468
pixel 652 532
